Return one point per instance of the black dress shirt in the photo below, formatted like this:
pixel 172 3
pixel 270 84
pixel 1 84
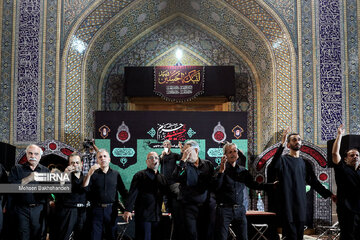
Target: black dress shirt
pixel 103 187
pixel 17 173
pixel 194 181
pixel 348 187
pixel 146 194
pixel 229 185
pixel 77 195
pixel 168 164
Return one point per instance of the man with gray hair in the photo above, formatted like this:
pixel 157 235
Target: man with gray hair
pixel 29 208
pixel 230 182
pixel 194 176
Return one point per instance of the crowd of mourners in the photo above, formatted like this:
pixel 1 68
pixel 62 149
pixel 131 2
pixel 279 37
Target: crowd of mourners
pixel 203 200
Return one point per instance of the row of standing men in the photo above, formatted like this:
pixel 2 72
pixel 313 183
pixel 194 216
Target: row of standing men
pixel 204 201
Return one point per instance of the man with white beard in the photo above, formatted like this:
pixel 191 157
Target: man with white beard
pixel 195 177
pixel 146 193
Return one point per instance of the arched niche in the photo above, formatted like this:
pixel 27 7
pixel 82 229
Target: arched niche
pixel 233 23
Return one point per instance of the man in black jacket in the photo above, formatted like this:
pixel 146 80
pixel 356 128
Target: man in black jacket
pixel 146 196
pixel 71 207
pixel 195 178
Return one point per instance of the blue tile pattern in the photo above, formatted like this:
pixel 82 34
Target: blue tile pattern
pixel 330 96
pixel 50 71
pixel 5 79
pixel 28 72
pixel 286 9
pixel 73 9
pixel 307 64
pixel 353 66
pixel 330 64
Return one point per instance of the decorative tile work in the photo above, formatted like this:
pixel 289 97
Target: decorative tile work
pixel 249 43
pixel 50 71
pixel 287 10
pixel 353 107
pixel 5 80
pixel 80 40
pixel 330 69
pixel 219 19
pixel 73 101
pixel 72 9
pixel 280 46
pixel 306 65
pixel 28 72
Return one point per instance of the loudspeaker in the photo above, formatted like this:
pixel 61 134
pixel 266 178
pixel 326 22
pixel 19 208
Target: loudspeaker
pixel 7 155
pixel 347 142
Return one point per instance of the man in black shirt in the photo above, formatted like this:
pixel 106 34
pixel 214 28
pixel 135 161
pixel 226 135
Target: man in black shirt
pixel 168 160
pixel 29 207
pixel 230 181
pixel 347 177
pixel 71 207
pixel 146 193
pixel 103 184
pixel 195 177
pixel 293 174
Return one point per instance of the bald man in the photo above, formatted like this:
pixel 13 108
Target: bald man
pixel 103 184
pixel 146 196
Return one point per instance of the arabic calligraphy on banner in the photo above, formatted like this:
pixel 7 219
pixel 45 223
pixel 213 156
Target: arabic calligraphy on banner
pixel 179 83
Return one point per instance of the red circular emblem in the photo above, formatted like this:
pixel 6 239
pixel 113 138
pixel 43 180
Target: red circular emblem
pixel 323 176
pixel 259 179
pixel 123 135
pixel 219 136
pixel 52 146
